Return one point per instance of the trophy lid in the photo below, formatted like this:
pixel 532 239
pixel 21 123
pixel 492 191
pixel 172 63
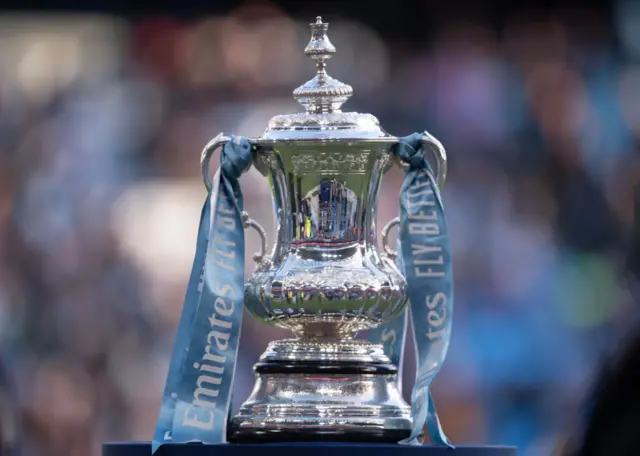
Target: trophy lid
pixel 322 97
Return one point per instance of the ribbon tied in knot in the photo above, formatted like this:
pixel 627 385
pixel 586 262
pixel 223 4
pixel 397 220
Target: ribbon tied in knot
pixel 236 157
pixel 411 151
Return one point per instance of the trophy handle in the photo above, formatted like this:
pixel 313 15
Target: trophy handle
pixel 429 143
pixel 205 159
pixel 391 253
pixel 219 141
pixel 260 258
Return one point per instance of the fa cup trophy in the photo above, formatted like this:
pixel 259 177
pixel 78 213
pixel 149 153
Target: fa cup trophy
pixel 324 280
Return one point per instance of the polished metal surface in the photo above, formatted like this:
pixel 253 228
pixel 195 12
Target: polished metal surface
pixel 248 222
pixel 324 279
pixel 322 94
pixel 322 97
pixel 328 404
pixel 384 237
pixel 345 351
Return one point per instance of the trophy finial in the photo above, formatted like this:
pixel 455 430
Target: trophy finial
pixel 319 48
pixel 322 94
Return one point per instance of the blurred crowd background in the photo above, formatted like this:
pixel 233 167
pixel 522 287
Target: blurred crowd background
pixel 102 120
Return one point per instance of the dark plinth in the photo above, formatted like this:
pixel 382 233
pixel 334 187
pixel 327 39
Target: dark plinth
pixel 334 435
pixel 308 449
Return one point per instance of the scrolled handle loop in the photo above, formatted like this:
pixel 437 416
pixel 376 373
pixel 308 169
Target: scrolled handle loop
pixel 248 222
pixel 430 143
pixel 391 253
pixel 205 158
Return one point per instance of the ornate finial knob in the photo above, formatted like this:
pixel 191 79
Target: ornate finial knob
pixel 319 48
pixel 322 94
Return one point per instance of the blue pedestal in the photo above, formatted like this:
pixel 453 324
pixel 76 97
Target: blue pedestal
pixel 306 449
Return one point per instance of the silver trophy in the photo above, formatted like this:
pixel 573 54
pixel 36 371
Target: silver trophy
pixel 325 279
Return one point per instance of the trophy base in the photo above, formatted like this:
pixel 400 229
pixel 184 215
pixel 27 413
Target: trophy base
pixel 342 391
pixel 295 449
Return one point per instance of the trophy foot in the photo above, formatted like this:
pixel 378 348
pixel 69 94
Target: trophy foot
pixel 345 398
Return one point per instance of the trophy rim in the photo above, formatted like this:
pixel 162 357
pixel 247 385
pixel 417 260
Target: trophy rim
pixel 328 137
pixel 341 351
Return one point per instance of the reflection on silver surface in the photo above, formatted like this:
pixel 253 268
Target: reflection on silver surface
pixel 327 402
pixel 326 278
pixel 327 213
pixel 331 403
pixel 348 351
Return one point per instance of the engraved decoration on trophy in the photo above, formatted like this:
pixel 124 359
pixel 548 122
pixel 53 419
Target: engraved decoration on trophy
pixel 324 280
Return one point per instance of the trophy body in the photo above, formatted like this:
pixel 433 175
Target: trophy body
pixel 324 280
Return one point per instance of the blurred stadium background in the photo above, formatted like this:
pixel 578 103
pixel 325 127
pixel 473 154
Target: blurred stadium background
pixel 105 107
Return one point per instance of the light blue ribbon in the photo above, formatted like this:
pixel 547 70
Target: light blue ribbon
pixel 424 256
pixel 196 402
